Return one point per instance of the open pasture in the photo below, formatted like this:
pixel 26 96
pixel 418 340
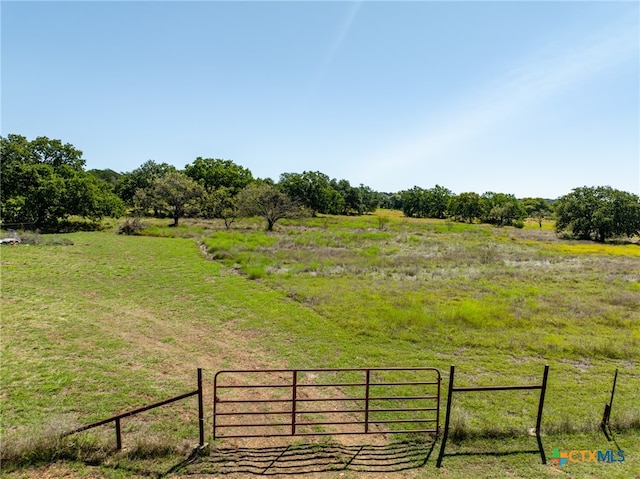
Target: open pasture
pixel 112 322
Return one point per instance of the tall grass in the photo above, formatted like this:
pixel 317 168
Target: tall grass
pixel 498 302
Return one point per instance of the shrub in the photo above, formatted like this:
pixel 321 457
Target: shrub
pixel 131 226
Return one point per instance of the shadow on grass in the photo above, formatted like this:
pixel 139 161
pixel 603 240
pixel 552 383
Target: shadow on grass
pixel 309 458
pixel 494 454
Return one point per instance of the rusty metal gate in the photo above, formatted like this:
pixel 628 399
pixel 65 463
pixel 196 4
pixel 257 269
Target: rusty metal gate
pixel 305 402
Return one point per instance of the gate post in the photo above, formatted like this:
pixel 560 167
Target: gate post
pixel 543 390
pixel 118 435
pixel 452 370
pixel 215 403
pixel 294 395
pixel 200 408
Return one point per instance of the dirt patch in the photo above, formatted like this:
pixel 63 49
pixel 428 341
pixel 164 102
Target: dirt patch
pixel 582 364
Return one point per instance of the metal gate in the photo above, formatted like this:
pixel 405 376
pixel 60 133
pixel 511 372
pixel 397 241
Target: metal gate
pixel 306 402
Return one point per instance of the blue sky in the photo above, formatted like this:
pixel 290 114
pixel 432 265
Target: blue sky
pixel 530 98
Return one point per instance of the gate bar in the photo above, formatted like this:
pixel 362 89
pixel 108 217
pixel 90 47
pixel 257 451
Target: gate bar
pixel 117 418
pixel 296 408
pixel 294 394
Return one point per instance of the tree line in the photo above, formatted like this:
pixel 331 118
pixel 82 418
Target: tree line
pixel 44 182
pixel 499 209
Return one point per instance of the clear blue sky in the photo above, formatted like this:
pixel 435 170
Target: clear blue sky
pixel 530 98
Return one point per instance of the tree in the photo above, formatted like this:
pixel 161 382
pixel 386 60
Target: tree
pixel 431 203
pixel 43 182
pixel 140 178
pixel 598 213
pixel 465 207
pixel 501 209
pixel 32 194
pixel 215 173
pixel 311 189
pixel 176 193
pixel 143 201
pixel 350 199
pixel 56 153
pixel 391 201
pixel 107 176
pixel 353 200
pixel 267 201
pixel 537 208
pixel 437 202
pixel 413 202
pixel 88 196
pixel 370 200
pixel 222 204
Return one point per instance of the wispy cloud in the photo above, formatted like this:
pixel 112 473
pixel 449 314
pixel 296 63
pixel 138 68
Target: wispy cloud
pixel 519 89
pixel 336 45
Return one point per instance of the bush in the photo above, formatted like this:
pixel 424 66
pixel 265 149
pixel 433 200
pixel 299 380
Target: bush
pixel 131 226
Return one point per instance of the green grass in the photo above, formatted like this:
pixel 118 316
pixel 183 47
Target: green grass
pixel 112 322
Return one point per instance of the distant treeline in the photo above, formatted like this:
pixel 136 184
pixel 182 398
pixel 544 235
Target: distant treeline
pixel 44 183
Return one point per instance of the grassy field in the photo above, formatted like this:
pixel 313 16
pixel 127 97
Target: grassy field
pixel 111 322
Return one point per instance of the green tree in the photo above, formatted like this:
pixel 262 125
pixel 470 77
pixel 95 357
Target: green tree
pixel 56 153
pixel 350 202
pixel 537 208
pixel 391 201
pixel 87 196
pixel 501 209
pixel 311 189
pixel 465 207
pixel 413 202
pixel 432 203
pixel 598 213
pixel 32 194
pixel 177 194
pixel 215 173
pixel 106 176
pixel 140 178
pixel 269 202
pixel 437 202
pixel 43 182
pixel 370 200
pixel 221 204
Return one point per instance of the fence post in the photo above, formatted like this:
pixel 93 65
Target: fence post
pixel 447 414
pixel 613 389
pixel 604 424
pixel 543 391
pixel 200 408
pixel 118 435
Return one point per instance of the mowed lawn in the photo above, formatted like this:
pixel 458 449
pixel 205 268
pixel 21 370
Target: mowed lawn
pixel 114 322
